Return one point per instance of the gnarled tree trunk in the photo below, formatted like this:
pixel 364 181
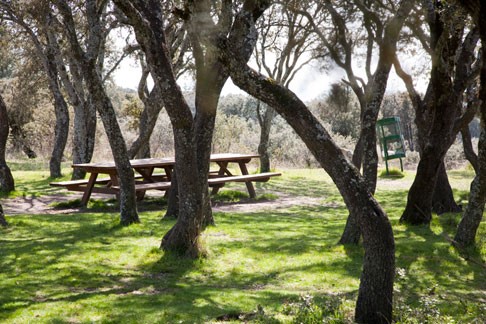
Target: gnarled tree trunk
pixel 365 150
pixel 436 122
pixel 94 83
pixel 472 217
pixel 147 18
pixel 374 303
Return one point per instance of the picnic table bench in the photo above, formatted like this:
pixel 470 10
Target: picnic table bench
pixel 146 179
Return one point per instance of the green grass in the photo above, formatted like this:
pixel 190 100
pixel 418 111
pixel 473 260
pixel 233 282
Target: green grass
pixel 392 173
pixel 266 266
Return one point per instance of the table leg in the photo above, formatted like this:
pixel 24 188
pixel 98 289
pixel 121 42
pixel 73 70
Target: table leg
pixel 223 170
pixel 249 184
pixel 147 176
pixel 89 188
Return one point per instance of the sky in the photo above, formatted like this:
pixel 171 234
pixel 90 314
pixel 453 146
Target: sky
pixel 310 82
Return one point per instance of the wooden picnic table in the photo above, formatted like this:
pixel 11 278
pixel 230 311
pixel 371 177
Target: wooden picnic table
pixel 147 179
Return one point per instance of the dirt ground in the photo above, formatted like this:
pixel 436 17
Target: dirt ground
pixel 42 204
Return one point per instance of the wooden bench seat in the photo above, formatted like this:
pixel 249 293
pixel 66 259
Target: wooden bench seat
pixel 259 177
pixel 77 183
pixel 162 185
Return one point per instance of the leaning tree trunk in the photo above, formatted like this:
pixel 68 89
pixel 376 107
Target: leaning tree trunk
pixel 366 147
pixel 147 21
pixel 468 226
pixel 6 180
pixel 127 198
pixel 375 296
pixel 94 83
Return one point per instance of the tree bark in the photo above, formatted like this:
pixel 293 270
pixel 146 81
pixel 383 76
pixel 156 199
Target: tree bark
pixel 365 150
pixel 352 232
pixel 61 127
pixel 443 197
pixel 471 156
pixel 265 122
pixel 374 303
pixel 94 83
pixel 153 104
pixel 7 183
pixel 173 199
pixel 147 18
pixel 468 226
pixel 84 125
pixel 437 121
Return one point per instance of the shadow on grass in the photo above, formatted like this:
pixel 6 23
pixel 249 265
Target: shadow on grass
pixel 59 259
pixel 120 275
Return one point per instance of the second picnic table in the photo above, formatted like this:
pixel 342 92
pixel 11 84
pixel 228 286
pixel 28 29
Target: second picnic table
pixel 146 179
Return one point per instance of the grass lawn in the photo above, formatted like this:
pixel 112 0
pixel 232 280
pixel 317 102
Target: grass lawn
pixel 264 265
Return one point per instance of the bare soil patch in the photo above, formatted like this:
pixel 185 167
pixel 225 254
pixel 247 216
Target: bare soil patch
pixel 43 204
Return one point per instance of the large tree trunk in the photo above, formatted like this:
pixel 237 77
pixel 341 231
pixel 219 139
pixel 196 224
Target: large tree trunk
pixel 436 121
pixel 147 19
pixel 6 180
pixel 184 237
pixel 468 226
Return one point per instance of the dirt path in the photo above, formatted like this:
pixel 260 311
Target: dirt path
pixel 42 205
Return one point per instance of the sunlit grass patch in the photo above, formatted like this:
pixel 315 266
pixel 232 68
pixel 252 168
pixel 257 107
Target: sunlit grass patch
pixel 392 173
pixel 229 196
